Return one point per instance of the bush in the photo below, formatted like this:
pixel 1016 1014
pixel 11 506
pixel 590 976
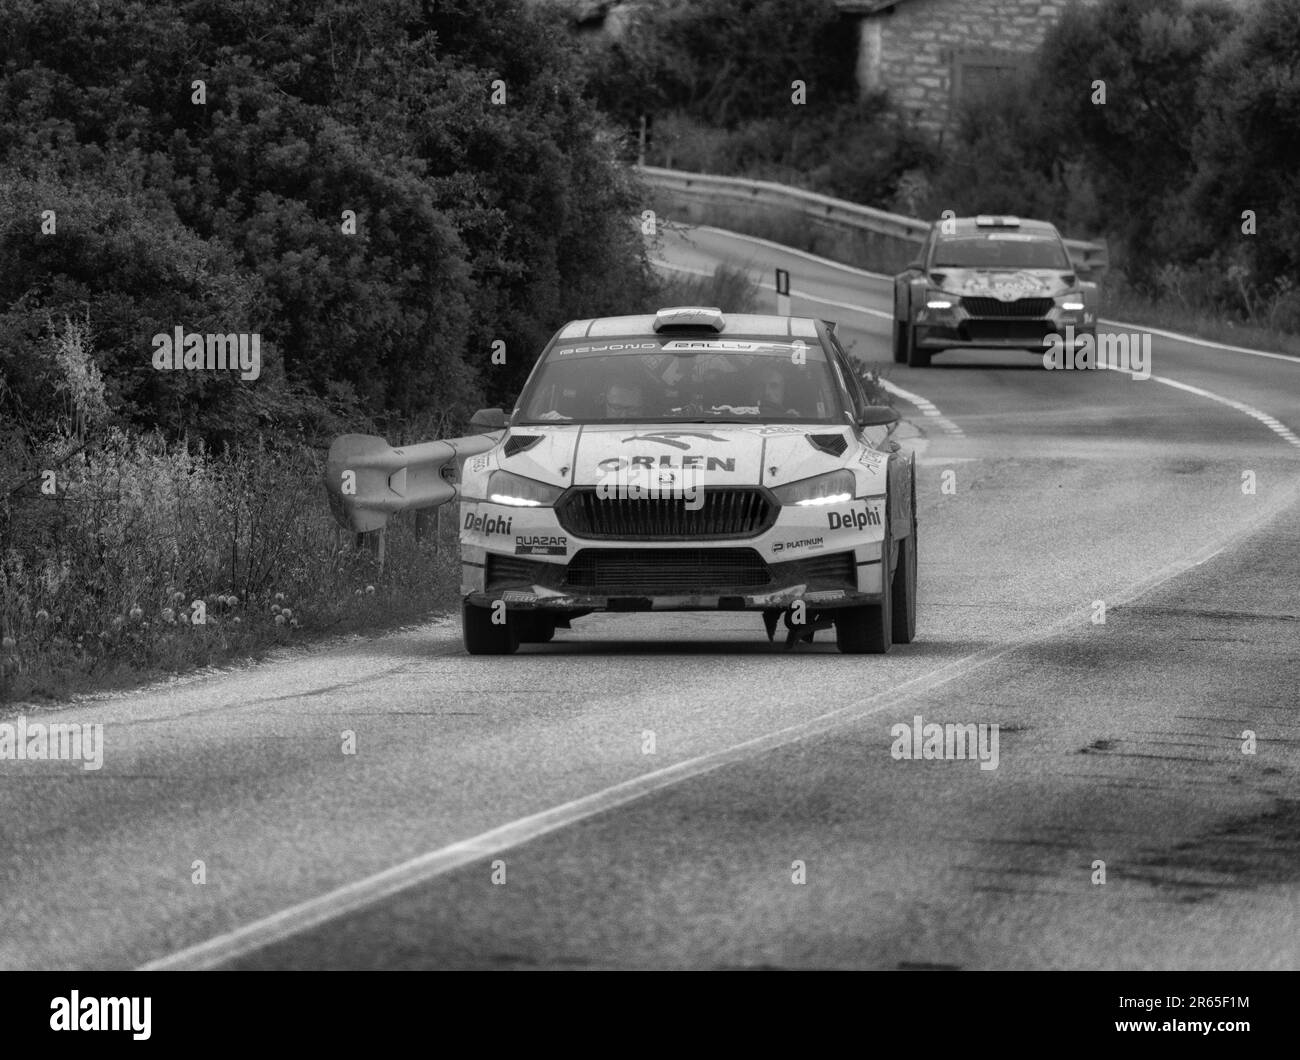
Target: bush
pixel 475 222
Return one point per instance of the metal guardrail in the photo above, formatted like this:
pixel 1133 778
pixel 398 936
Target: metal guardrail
pixel 1089 258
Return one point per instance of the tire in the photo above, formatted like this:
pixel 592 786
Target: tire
pixel 916 357
pixel 868 630
pixel 901 331
pixel 484 637
pixel 903 594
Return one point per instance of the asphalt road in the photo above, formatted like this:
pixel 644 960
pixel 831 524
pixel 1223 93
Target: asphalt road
pixel 671 791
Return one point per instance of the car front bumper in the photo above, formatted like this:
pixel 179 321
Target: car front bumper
pixel 827 557
pixel 938 329
pixel 824 593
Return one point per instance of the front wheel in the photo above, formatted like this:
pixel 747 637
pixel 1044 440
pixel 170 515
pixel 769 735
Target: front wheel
pixel 901 331
pixel 903 593
pixel 868 630
pixel 482 635
pixel 916 357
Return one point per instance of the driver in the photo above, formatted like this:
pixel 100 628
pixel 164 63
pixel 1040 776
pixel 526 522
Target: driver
pixel 624 399
pixel 771 394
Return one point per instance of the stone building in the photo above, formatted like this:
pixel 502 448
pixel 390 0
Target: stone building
pixel 929 54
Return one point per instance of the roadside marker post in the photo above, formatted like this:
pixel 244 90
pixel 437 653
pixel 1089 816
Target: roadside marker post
pixel 783 292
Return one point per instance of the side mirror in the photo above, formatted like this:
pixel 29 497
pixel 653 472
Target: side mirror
pixel 488 420
pixel 878 416
pixel 915 266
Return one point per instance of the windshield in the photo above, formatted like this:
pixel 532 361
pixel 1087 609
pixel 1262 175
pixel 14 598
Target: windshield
pixel 1001 250
pixel 661 379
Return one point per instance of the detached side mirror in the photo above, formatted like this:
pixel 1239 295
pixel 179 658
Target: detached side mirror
pixel 878 416
pixel 485 420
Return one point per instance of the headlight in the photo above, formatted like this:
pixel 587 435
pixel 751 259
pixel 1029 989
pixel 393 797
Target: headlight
pixel 1073 305
pixel 937 300
pixel 834 488
pixel 520 492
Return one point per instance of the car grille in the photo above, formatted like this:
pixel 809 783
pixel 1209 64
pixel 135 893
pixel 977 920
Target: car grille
pixel 724 513
pixel 666 571
pixel 514 571
pixel 1019 309
pixel 833 570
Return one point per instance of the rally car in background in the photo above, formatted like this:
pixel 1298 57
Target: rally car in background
pixel 987 281
pixel 684 460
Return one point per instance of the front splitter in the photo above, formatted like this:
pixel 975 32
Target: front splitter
pixel 539 598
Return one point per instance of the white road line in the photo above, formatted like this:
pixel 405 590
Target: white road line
pixel 1200 342
pixel 1274 425
pixel 925 406
pixel 351 897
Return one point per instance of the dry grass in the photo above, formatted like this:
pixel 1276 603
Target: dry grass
pixel 729 288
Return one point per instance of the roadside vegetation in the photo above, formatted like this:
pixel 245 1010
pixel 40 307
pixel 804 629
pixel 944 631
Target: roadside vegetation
pixel 382 192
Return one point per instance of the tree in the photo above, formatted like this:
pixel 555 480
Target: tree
pixel 1247 146
pixel 1149 57
pixel 248 130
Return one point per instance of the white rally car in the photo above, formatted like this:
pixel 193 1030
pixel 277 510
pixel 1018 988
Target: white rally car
pixel 690 461
pixel 1000 282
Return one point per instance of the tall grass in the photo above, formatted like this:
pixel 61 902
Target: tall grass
pixel 729 288
pixel 156 557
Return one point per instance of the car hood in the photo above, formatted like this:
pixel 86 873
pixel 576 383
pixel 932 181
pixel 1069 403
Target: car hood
pixel 1005 284
pixel 714 454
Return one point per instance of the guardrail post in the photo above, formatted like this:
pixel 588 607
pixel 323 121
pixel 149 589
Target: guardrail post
pixel 373 542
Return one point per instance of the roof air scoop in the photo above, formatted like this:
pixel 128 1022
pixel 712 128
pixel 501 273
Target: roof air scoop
pixel 690 316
